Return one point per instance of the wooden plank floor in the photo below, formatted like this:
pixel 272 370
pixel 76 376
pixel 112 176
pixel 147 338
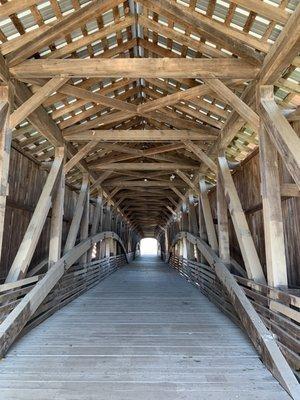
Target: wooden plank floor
pixel 143 333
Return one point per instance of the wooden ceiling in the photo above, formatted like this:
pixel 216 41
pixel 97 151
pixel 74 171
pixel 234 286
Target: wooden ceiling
pixel 147 123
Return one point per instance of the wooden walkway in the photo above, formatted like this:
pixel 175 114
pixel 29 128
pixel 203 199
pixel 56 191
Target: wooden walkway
pixel 144 333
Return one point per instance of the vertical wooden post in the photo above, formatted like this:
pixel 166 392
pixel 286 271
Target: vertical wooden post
pixel 95 223
pixel 272 213
pixel 75 224
pixel 209 223
pixel 223 234
pixel 5 145
pixel 57 222
pixel 84 227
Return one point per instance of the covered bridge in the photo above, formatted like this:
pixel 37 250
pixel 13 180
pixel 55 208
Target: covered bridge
pixel 177 120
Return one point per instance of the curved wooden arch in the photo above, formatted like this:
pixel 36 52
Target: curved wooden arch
pixel 261 337
pixel 20 315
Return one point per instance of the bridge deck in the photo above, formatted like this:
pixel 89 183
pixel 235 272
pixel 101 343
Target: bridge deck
pixel 143 333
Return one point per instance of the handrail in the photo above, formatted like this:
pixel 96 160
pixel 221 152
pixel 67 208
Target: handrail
pixel 20 315
pixel 261 337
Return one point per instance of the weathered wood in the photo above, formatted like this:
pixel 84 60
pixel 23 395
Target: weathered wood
pixel 223 232
pixel 84 151
pixel 96 220
pixel 61 27
pixel 262 339
pixel 142 68
pixel 75 224
pixel 209 223
pixel 284 50
pixel 143 166
pixel 5 145
pixel 281 133
pixel 224 36
pixel 20 315
pixel 57 222
pixel 273 223
pixel 136 135
pixel 85 221
pixel 35 100
pixel 24 255
pixel 187 180
pixel 15 6
pixel 248 250
pixel 241 108
pixel 201 155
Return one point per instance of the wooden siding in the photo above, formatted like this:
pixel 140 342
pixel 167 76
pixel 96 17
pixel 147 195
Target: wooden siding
pixel 26 181
pixel 247 181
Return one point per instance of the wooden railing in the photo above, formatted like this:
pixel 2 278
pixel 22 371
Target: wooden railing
pixel 280 310
pixel 75 281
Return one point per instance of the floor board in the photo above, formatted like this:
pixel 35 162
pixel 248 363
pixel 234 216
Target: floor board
pixel 143 333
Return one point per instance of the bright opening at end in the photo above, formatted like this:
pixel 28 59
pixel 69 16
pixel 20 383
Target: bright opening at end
pixel 149 246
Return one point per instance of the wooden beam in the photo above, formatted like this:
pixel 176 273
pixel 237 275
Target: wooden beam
pixel 283 51
pixel 5 146
pixel 27 247
pixel 101 179
pixel 179 194
pixel 272 212
pixel 238 104
pixel 15 6
pixel 84 225
pixel 39 118
pixel 187 180
pixel 178 37
pixel 41 121
pixel 223 226
pixel 209 223
pixel 174 98
pixel 75 224
pixel 141 183
pixel 201 155
pixel 62 27
pixel 143 166
pixel 280 131
pixel 56 227
pixel 165 135
pixel 136 68
pixel 86 40
pixel 248 250
pixel 36 100
pixel 290 190
pixel 271 12
pixel 236 42
pixel 83 152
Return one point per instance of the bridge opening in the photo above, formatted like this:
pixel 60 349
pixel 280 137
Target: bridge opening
pixel 149 247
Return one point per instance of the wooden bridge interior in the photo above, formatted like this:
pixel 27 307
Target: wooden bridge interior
pixel 172 119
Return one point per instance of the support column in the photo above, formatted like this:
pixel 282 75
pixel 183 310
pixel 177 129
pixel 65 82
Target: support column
pixel 95 223
pixel 272 212
pixel 209 223
pixel 223 234
pixel 75 224
pixel 57 222
pixel 5 146
pixel 84 227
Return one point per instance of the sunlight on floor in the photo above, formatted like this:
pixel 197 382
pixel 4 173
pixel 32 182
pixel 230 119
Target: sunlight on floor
pixel 149 246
